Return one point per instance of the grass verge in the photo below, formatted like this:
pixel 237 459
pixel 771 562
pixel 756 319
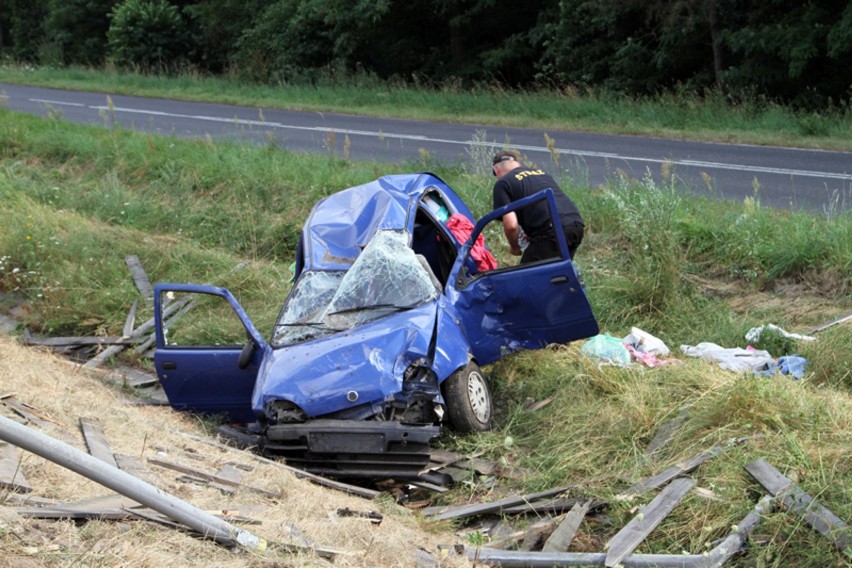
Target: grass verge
pixel 709 117
pixel 75 200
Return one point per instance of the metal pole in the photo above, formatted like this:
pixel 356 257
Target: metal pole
pixel 128 485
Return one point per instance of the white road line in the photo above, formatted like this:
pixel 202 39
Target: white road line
pixel 47 102
pixel 561 151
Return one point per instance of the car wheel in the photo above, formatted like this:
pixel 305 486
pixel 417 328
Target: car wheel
pixel 468 399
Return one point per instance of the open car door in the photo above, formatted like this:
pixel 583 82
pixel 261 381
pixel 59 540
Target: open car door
pixel 520 307
pixel 208 351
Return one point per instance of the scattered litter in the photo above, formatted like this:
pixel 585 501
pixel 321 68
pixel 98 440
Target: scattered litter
pixel 732 359
pixel 644 342
pixel 788 365
pixel 647 359
pixel 753 335
pixel 372 516
pixel 608 348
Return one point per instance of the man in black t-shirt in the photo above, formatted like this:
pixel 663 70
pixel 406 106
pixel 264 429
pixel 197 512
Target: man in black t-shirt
pixel 514 182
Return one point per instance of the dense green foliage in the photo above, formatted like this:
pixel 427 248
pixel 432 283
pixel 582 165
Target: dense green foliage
pixel 782 50
pixel 147 33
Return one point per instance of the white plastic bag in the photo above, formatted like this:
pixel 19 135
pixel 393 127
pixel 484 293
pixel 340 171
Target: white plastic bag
pixel 644 342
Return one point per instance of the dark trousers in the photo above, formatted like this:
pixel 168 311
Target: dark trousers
pixel 544 245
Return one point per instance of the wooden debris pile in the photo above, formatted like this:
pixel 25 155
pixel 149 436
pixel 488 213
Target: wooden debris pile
pixel 547 541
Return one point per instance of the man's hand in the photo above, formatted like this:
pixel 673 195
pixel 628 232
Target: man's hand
pixel 515 250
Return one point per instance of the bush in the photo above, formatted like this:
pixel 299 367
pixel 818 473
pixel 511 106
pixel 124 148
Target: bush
pixel 147 34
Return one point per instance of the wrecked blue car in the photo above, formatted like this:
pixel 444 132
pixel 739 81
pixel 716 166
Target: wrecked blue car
pixel 381 338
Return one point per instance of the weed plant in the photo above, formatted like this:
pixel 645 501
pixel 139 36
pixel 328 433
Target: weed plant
pixel 76 200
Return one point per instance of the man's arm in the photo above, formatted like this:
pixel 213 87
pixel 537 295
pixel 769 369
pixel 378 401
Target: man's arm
pixel 512 232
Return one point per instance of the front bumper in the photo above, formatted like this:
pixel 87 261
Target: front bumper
pixel 354 448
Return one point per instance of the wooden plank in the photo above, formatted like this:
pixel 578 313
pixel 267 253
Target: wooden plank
pixel 232 474
pixel 530 536
pixel 133 378
pixel 130 320
pixel 76 514
pixel 666 431
pixel 78 341
pixel 561 538
pixel 796 500
pixel 317 479
pixel 372 516
pixel 134 466
pixel 669 473
pixel 713 558
pixel 140 279
pixel 11 476
pixel 209 477
pixel 547 506
pixel 444 513
pixel 28 412
pixel 627 539
pixel 841 319
pixel 108 501
pixel 99 448
pixel 140 331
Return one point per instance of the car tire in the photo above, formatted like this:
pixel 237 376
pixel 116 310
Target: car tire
pixel 468 400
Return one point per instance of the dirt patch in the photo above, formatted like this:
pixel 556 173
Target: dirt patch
pixel 62 393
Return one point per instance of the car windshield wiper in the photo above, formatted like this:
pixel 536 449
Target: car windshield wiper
pixel 314 324
pixel 374 307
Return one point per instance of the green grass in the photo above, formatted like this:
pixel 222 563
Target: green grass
pixel 674 116
pixel 76 200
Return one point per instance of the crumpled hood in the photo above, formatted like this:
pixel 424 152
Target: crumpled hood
pixel 368 360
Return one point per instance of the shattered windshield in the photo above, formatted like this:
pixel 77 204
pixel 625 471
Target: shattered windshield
pixel 386 277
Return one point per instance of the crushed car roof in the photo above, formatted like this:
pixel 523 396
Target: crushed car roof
pixel 340 225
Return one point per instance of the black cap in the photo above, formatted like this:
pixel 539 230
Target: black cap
pixel 503 156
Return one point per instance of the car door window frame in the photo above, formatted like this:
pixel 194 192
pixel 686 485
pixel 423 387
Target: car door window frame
pixel 462 279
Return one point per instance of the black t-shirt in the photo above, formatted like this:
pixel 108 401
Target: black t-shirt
pixel 523 182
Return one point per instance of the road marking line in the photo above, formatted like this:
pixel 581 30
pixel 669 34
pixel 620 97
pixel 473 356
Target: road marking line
pixel 561 151
pixel 48 102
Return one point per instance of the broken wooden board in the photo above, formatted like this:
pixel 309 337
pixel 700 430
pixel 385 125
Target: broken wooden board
pixel 99 448
pixel 130 320
pixel 628 538
pixel 841 319
pixel 78 341
pixel 232 475
pixel 547 506
pixel 666 431
pixel 11 476
pixel 372 516
pixel 669 473
pixel 317 479
pixel 134 467
pixel 209 477
pixel 137 334
pixel 530 536
pixel 140 279
pixel 796 500
pixel 27 412
pixel 450 512
pixel 133 378
pixel 561 538
pixel 442 458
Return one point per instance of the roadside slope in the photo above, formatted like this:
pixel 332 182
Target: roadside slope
pixel 61 393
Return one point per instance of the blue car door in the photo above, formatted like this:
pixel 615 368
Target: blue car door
pixel 208 351
pixel 524 306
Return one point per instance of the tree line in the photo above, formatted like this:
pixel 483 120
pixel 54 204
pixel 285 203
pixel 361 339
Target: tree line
pixel 796 52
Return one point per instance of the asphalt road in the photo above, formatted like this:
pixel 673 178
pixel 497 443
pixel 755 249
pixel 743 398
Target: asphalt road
pixel 811 180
